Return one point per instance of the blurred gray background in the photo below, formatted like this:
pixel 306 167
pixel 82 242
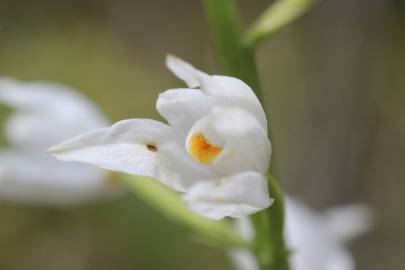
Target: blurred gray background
pixel 334 89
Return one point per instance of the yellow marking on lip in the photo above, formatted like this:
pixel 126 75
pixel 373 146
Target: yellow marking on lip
pixel 202 150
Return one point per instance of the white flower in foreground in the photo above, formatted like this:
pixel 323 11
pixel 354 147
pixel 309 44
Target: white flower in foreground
pixel 215 148
pixel 42 115
pixel 316 240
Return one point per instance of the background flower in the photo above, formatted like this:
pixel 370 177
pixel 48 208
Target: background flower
pixel 42 114
pixel 316 240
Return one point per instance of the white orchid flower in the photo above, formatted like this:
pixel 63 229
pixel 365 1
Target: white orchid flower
pixel 316 240
pixel 214 148
pixel 42 115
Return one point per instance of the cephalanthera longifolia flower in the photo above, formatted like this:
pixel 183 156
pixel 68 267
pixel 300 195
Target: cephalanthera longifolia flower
pixel 214 148
pixel 42 115
pixel 316 240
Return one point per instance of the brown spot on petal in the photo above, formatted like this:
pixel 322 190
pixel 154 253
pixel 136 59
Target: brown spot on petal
pixel 151 147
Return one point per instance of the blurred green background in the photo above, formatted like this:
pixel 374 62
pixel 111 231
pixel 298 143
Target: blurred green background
pixel 334 83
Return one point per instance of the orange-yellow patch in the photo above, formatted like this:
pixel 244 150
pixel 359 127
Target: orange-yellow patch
pixel 202 150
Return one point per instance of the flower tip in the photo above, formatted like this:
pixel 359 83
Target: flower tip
pixel 170 57
pixel 184 71
pixel 173 61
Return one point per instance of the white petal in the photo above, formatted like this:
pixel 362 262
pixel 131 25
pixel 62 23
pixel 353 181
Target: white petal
pixel 244 260
pixel 244 227
pixel 232 92
pixel 235 196
pixel 245 144
pixel 138 146
pixel 183 107
pixel 340 259
pixel 227 91
pixel 313 246
pixel 347 222
pixel 31 176
pixel 184 71
pixel 46 113
pixel 307 235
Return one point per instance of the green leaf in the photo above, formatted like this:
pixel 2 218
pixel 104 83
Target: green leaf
pixel 169 204
pixel 275 18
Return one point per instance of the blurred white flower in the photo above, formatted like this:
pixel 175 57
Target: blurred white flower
pixel 316 240
pixel 215 148
pixel 42 115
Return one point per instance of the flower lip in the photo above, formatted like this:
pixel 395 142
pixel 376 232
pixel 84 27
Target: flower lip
pixel 202 150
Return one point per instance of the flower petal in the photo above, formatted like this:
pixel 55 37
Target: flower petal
pixel 227 91
pixel 340 259
pixel 244 143
pixel 243 259
pixel 232 92
pixel 348 221
pixel 308 238
pixel 235 196
pixel 184 71
pixel 31 176
pixel 137 146
pixel 46 113
pixel 183 107
pixel 314 247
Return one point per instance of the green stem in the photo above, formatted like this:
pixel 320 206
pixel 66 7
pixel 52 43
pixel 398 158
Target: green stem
pixel 233 56
pixel 269 224
pixel 237 59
